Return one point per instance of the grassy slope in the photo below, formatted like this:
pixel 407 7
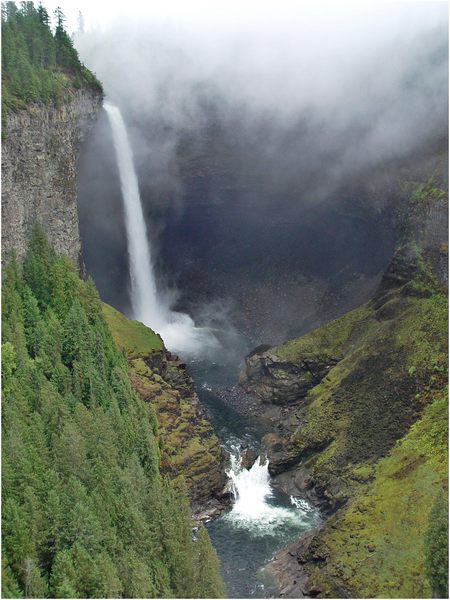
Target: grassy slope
pixel 375 545
pixel 133 337
pixel 389 386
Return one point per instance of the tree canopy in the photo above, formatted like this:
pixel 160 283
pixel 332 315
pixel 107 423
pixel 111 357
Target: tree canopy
pixel 86 512
pixel 39 65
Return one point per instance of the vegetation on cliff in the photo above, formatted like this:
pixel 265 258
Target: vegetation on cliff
pixel 86 512
pixel 39 65
pixel 189 447
pixel 389 541
pixel 373 433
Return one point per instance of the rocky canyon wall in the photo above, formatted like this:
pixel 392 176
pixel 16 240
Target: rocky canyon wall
pixel 40 149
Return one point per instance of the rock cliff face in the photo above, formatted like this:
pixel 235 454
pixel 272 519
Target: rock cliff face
pixel 363 430
pixel 40 149
pixel 282 382
pixel 189 447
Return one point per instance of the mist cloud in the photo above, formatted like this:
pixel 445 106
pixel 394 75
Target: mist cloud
pixel 365 83
pixel 270 120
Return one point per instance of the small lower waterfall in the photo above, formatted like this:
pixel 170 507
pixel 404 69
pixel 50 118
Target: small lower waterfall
pixel 177 329
pixel 251 488
pixel 252 491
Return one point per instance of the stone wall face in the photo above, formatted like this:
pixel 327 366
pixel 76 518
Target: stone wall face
pixel 40 150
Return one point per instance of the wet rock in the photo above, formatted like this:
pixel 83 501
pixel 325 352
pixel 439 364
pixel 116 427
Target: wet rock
pixel 227 492
pixel 281 453
pixel 207 511
pixel 287 568
pixel 244 404
pixel 248 458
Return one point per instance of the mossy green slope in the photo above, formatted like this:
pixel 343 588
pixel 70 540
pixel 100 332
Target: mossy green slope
pixel 394 360
pixel 132 336
pixel 375 546
pixel 373 435
pixel 188 444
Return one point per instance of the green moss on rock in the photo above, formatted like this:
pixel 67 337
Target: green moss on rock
pixel 329 340
pixel 189 447
pixel 373 437
pixel 375 545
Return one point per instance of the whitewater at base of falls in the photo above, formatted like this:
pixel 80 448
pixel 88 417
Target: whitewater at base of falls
pixel 177 330
pixel 252 508
pixel 263 519
pixel 180 334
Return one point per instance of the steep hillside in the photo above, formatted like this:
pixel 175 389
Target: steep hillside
pixel 363 417
pixel 86 512
pixel 49 102
pixel 189 446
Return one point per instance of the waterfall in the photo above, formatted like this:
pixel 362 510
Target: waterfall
pixel 251 488
pixel 252 508
pixel 144 299
pixel 177 329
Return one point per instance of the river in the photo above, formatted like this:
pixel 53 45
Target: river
pixel 262 519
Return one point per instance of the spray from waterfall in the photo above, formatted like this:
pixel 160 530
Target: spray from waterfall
pixel 177 329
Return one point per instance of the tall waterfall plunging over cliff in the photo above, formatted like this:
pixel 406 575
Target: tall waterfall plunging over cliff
pixel 143 289
pixel 177 329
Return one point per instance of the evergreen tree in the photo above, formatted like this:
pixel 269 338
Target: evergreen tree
pixel 37 266
pixel 10 585
pixel 85 510
pixel 38 65
pixel 66 55
pixel 208 583
pixel 80 22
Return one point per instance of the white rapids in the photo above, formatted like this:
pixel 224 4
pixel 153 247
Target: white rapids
pixel 252 509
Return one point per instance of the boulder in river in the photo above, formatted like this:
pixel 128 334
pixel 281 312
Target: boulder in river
pixel 248 458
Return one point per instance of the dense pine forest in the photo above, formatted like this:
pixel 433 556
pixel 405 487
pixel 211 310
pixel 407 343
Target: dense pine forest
pixel 85 510
pixel 38 64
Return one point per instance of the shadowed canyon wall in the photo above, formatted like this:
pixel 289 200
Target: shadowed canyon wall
pixel 230 224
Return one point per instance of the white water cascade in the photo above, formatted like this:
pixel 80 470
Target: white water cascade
pixel 252 492
pixel 177 329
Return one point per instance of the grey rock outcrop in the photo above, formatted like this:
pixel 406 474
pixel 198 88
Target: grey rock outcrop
pixel 282 382
pixel 40 149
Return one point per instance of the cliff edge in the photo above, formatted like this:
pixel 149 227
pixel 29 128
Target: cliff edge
pixel 189 447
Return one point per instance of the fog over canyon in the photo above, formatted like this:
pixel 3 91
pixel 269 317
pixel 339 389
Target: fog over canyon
pixel 225 299
pixel 268 160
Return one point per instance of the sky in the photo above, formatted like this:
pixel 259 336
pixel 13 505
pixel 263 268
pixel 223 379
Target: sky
pixel 103 13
